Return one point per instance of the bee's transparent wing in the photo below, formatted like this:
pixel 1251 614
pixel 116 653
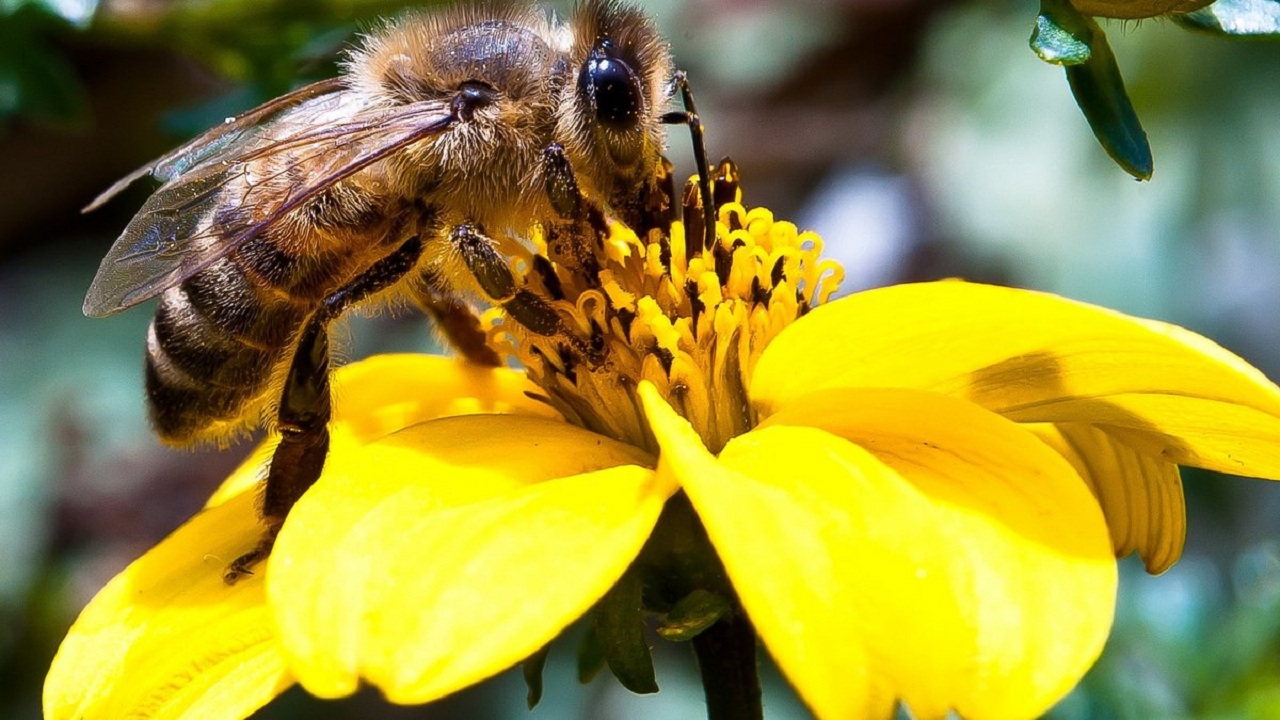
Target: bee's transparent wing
pixel 178 231
pixel 218 141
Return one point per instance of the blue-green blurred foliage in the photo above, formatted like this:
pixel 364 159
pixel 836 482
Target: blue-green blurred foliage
pixel 37 81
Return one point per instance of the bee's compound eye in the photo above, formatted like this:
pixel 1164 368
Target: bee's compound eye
pixel 611 88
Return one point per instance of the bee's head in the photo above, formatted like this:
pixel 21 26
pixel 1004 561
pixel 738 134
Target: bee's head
pixel 610 111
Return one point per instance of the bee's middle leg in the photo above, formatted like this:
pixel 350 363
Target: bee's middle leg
pixel 455 320
pixel 306 404
pixel 491 272
pixel 523 305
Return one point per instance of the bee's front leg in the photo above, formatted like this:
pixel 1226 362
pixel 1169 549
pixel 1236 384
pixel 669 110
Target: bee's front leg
pixel 306 404
pixel 689 116
pixel 573 241
pixel 562 185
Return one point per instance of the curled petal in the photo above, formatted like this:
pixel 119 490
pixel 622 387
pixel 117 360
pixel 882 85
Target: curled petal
pixel 1035 357
pixel 386 393
pixel 948 558
pixel 1212 434
pixel 167 638
pixel 446 553
pixel 1141 495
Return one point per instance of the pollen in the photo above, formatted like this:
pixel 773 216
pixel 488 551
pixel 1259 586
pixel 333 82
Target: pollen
pixel 689 319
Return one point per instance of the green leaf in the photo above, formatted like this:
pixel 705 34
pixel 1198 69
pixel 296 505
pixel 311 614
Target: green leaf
pixel 36 81
pixel 590 655
pixel 531 668
pixel 75 12
pixel 1235 17
pixel 1062 35
pixel 696 612
pixel 619 625
pixel 1099 91
pixel 50 92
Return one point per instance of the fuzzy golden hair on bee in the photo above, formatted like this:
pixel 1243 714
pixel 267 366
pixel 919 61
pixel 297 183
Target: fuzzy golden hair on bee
pixel 422 56
pixel 487 165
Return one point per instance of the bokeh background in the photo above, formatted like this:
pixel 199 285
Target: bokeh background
pixel 921 138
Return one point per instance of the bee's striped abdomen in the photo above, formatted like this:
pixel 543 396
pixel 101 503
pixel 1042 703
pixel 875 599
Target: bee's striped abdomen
pixel 212 348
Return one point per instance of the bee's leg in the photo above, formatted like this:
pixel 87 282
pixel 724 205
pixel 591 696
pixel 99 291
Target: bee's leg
pixel 562 185
pixel 306 404
pixel 521 304
pixel 657 207
pixel 456 321
pixel 490 270
pixel 689 116
pixel 580 219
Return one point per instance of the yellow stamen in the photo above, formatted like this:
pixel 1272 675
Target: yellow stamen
pixel 662 309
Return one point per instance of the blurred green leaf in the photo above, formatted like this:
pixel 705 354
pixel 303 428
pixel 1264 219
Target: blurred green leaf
pixel 269 44
pixel 36 81
pixel 1235 17
pixel 1064 36
pixel 590 655
pixel 76 12
pixel 1061 35
pixel 1099 91
pixel 531 668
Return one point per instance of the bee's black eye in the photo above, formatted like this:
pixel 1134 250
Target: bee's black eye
pixel 612 89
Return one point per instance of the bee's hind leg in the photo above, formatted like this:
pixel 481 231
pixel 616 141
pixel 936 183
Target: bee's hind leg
pixel 306 405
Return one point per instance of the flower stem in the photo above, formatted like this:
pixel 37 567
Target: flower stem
pixel 730 672
pixel 677 560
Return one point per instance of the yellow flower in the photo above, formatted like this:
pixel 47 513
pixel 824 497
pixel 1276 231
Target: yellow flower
pixel 917 492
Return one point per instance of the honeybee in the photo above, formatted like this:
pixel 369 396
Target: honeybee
pixel 444 133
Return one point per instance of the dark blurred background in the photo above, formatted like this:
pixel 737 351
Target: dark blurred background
pixel 921 138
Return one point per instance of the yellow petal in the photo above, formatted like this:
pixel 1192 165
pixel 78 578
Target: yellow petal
pixel 1141 495
pixel 958 564
pixel 385 393
pixel 445 553
pixel 1036 357
pixel 167 638
pixel 802 605
pixel 247 475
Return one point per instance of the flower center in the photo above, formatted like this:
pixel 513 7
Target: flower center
pixel 663 308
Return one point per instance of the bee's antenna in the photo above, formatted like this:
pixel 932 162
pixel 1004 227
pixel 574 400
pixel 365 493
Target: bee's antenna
pixel 689 116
